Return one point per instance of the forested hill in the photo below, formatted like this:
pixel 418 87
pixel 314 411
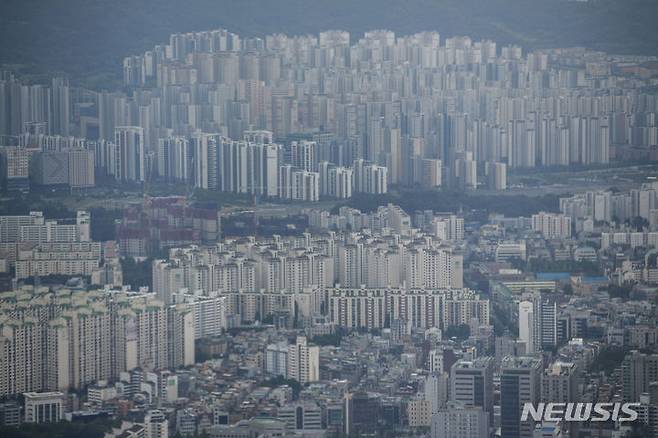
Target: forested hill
pixel 88 38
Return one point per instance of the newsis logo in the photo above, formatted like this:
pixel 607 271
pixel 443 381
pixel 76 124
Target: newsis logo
pixel 554 412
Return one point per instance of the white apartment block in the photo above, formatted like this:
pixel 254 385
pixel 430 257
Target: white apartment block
pixel 128 162
pixel 10 226
pixel 56 340
pixel 260 277
pixel 449 227
pixel 168 279
pixel 156 425
pixel 303 361
pixel 44 407
pixel 421 308
pixel 633 239
pixel 210 317
pixel 36 229
pixel 510 250
pixel 552 226
pixel 375 180
pixel 180 325
pixel 78 258
pixel 340 182
pixel 298 184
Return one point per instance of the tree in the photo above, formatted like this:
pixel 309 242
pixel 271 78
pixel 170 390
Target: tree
pixel 517 263
pixel 64 429
pixel 622 292
pixel 639 223
pixel 461 332
pixel 568 289
pixel 608 360
pixel 137 274
pixel 281 381
pixel 103 226
pixel 331 339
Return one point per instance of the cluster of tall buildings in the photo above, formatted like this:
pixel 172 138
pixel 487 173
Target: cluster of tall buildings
pixel 299 361
pixel 61 339
pixel 389 218
pixel 34 246
pixel 35 228
pixel 609 206
pixel 37 160
pixel 406 309
pixel 254 165
pixel 304 118
pixel 327 274
pixel 291 264
pixel 398 100
pixel 35 107
pixel 552 226
pixel 419 109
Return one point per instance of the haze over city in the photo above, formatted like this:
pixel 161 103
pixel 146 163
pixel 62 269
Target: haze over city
pixel 329 219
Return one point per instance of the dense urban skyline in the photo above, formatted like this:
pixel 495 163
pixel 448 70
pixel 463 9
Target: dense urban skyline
pixel 331 234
